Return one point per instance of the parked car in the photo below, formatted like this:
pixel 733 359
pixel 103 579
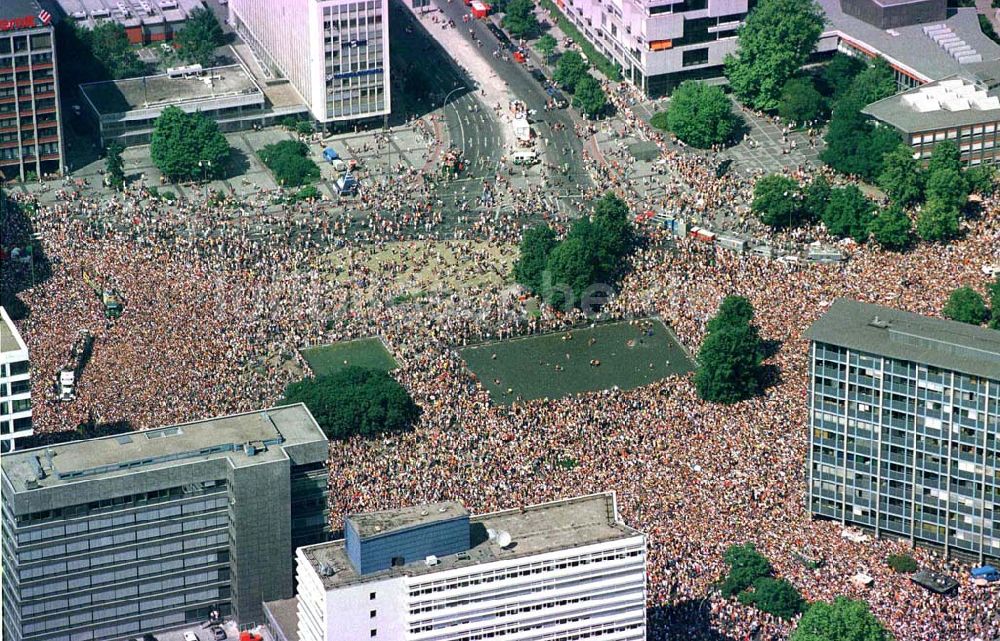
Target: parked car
pixel 538 75
pixel 987 573
pixel 191 636
pixel 218 634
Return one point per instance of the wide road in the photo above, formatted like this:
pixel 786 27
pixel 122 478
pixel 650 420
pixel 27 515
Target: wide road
pixel 564 146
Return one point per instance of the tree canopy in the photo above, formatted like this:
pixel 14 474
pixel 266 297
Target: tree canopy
pixel 902 178
pixel 800 101
pixel 199 37
pixel 290 162
pixel 965 305
pixel 994 292
pixel 938 222
pixel 892 229
pixel 848 213
pixel 546 44
pixel 594 251
pixel 853 144
pixel 589 97
pixel 519 18
pixel 843 620
pixel 776 200
pixel 570 70
pixel 181 141
pixel 746 565
pixel 355 400
pixel 701 115
pixel 947 186
pixel 839 73
pixel 774 596
pixel 729 361
pixel 114 166
pixel 773 44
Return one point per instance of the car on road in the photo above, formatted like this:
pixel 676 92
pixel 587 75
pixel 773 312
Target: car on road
pixel 505 41
pixel 218 634
pixel 539 75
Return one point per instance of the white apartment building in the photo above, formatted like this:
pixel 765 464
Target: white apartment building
pixel 335 53
pixel 15 385
pixel 659 43
pixel 555 572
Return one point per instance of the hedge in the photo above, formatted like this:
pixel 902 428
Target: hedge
pixel 596 58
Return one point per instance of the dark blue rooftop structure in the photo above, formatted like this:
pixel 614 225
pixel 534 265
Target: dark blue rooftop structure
pixel 380 540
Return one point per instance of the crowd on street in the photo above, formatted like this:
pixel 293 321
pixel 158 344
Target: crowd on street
pixel 219 297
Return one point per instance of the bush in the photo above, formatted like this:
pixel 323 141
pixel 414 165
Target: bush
pixel 702 115
pixel 600 62
pixel 290 162
pixel 902 563
pixel 965 305
pixel 774 596
pixel 355 400
pixel 659 121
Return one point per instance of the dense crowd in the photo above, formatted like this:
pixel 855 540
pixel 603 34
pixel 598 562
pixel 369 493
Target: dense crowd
pixel 219 297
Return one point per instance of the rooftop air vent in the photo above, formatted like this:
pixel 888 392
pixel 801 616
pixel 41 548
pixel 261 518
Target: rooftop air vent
pixel 881 323
pixel 431 561
pixel 325 569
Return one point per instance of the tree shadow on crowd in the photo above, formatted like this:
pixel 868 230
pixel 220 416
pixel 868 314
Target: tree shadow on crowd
pixel 25 263
pixel 688 620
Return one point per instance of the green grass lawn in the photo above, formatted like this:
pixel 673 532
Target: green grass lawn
pixel 363 352
pixel 551 366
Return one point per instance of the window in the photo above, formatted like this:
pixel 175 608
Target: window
pixel 371 596
pixel 371 615
pixel 373 633
pixel 695 57
pixel 19 367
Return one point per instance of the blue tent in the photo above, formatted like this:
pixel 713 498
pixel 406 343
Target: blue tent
pixel 330 154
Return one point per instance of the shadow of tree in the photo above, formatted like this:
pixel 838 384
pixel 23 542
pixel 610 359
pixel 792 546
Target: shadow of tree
pixel 25 263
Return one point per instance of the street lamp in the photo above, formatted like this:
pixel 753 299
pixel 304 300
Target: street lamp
pixel 205 166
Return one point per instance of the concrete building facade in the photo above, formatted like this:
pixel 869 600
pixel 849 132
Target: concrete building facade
pixel 15 386
pixel 30 130
pixel 904 427
pixel 556 571
pixel 335 53
pixel 659 43
pixel 110 538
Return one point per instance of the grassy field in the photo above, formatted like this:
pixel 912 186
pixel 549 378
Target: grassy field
pixel 364 352
pixel 560 364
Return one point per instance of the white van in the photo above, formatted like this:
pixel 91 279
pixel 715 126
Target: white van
pixel 524 157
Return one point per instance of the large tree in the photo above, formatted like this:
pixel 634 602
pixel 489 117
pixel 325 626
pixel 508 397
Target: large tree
pixel 853 144
pixel 776 200
pixel 199 37
pixel 519 18
pixel 839 73
pixel 546 45
pixel 613 235
pixel 729 364
pixel 701 115
pixel 589 97
pixel 842 620
pixel 733 310
pixel 774 596
pixel 570 70
pixel 848 213
pixel 181 141
pixel 946 155
pixel 773 44
pixel 572 269
pixel 110 46
pixel 800 101
pixel 947 186
pixel 536 245
pixel 892 229
pixel 938 221
pixel 746 565
pixel 814 198
pixel 901 177
pixel 965 305
pixel 355 400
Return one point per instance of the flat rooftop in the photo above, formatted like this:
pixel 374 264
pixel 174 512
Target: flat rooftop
pixel 285 614
pixel 10 338
pixel 961 100
pixel 216 438
pixel 910 337
pixel 122 96
pixel 537 529
pixel 910 46
pixel 19 9
pixel 86 12
pixel 371 524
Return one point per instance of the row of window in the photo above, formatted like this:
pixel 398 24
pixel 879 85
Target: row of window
pixel 13 369
pixel 19 44
pixel 8 63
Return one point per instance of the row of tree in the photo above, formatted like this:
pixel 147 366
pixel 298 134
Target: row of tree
pixel 751 580
pixel 573 74
pixel 583 265
pixel 966 305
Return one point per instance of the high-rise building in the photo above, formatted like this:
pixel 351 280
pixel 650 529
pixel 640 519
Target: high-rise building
pixel 904 426
pixel 561 570
pixel 335 53
pixel 15 385
pixel 659 43
pixel 110 538
pixel 30 133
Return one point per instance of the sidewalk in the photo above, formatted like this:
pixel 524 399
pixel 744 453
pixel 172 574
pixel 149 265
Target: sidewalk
pixel 491 89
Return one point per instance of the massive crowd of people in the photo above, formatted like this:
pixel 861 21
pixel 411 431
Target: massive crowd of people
pixel 218 298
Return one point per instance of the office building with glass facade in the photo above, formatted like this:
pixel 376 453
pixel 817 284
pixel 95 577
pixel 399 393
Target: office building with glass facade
pixel 904 426
pixel 335 53
pixel 15 385
pixel 110 538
